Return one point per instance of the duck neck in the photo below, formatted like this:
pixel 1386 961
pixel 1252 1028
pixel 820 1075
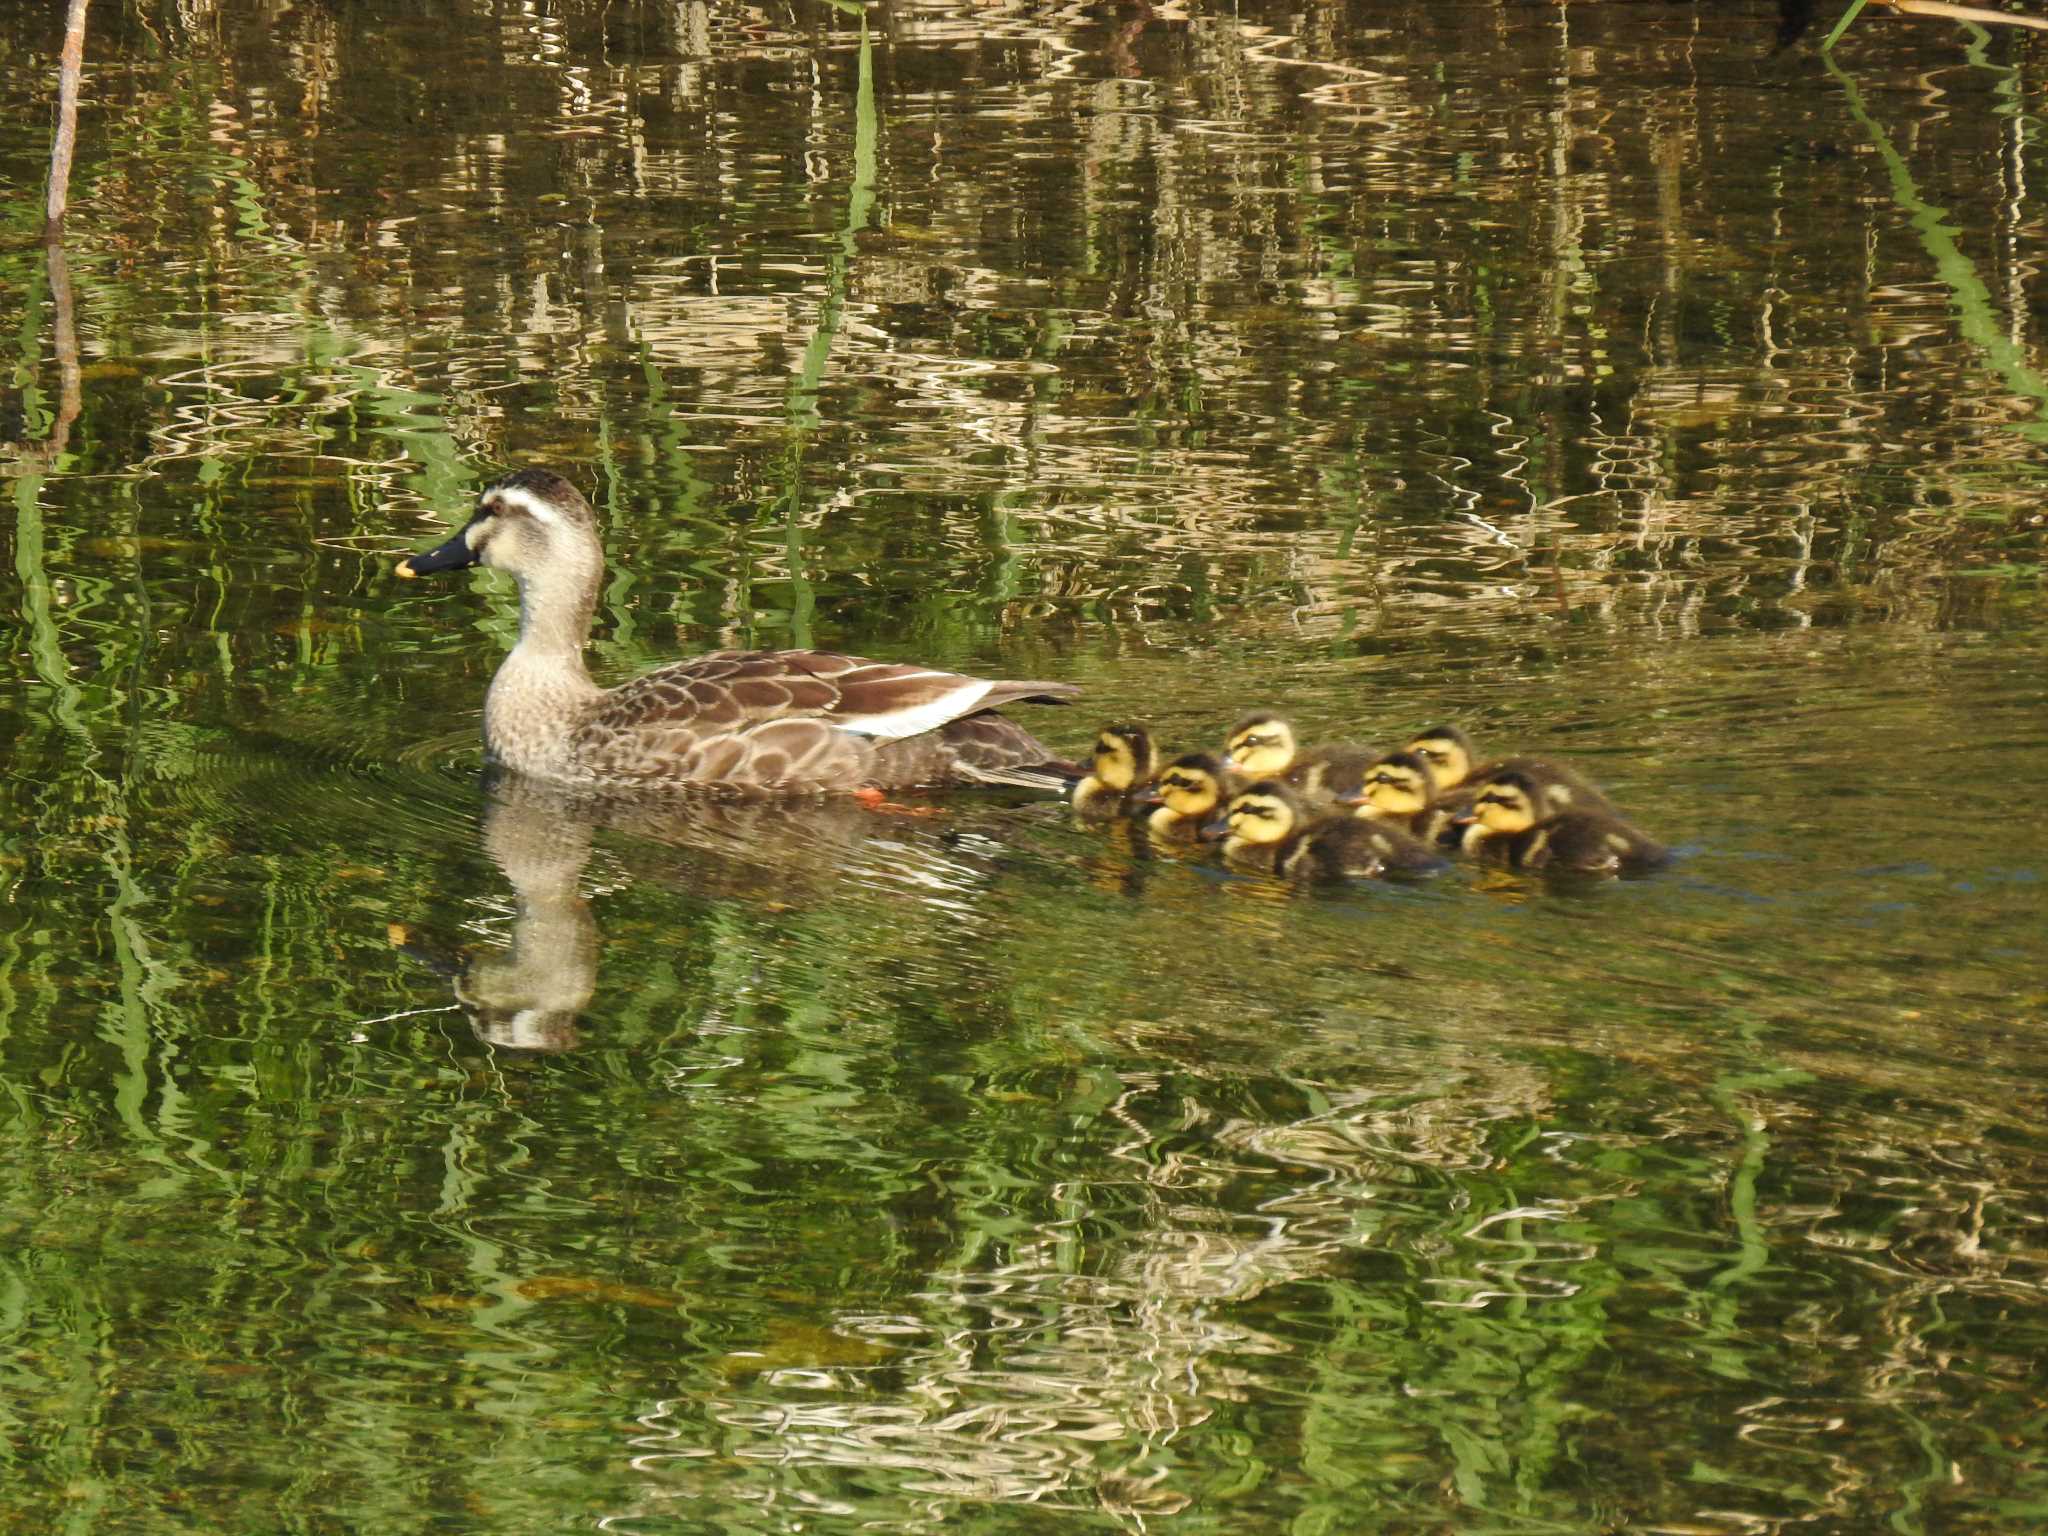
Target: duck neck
pixel 555 611
pixel 543 692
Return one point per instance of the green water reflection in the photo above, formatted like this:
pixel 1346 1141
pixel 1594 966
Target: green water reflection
pixel 388 1149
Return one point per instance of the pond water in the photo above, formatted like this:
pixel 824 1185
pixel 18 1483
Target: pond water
pixel 387 1149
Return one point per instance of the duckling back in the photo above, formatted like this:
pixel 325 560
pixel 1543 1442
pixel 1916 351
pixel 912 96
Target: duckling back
pixel 1577 843
pixel 1351 849
pixel 1264 746
pixel 1273 830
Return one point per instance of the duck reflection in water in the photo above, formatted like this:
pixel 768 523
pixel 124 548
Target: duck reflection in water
pixel 529 997
pixel 765 853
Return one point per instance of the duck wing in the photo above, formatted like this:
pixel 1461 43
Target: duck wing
pixel 795 720
pixel 737 690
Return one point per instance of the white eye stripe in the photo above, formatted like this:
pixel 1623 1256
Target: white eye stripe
pixel 525 501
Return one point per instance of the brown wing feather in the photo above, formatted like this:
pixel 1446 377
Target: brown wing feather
pixel 776 720
pixel 735 690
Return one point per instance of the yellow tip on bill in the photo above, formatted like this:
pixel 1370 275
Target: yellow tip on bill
pixel 405 569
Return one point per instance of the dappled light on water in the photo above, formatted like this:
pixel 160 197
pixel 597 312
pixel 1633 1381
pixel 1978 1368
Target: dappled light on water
pixel 393 1144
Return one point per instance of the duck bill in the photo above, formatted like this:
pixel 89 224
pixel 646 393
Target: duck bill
pixel 451 556
pixel 1146 800
pixel 1214 831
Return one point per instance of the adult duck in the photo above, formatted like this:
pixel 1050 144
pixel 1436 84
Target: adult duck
pixel 751 722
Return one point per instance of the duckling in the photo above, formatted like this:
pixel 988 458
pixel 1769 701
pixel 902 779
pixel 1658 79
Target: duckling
pixel 1186 794
pixel 1452 758
pixel 1263 745
pixel 1269 829
pixel 1401 787
pixel 1444 823
pixel 1125 760
pixel 739 722
pixel 1398 787
pixel 1509 825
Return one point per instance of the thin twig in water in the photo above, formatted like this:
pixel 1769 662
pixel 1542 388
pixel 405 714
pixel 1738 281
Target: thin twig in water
pixel 68 67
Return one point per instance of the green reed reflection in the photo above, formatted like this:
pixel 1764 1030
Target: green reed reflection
pixel 1976 314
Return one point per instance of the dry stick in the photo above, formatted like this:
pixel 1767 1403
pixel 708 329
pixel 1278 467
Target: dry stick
pixel 67 116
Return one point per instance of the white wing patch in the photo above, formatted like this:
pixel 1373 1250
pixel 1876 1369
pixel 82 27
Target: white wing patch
pixel 895 724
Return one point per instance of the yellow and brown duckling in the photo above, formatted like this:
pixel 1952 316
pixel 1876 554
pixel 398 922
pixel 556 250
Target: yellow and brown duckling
pixel 1187 793
pixel 1124 761
pixel 1269 829
pixel 1264 745
pixel 1509 825
pixel 1397 787
pixel 1454 762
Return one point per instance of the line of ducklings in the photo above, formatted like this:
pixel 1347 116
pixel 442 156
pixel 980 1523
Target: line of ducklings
pixel 1340 811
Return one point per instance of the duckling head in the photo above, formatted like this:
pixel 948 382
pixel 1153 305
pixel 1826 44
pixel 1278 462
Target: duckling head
pixel 1508 804
pixel 1261 744
pixel 532 523
pixel 1191 787
pixel 1448 751
pixel 1268 812
pixel 1399 784
pixel 1124 757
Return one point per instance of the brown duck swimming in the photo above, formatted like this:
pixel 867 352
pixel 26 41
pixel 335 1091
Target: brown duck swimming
pixel 759 722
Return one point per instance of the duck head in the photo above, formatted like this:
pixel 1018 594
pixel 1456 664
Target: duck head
pixel 1399 784
pixel 1261 744
pixel 1191 787
pixel 1124 757
pixel 531 521
pixel 1508 804
pixel 1267 812
pixel 1449 753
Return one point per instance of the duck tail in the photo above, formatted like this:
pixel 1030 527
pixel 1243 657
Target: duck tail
pixel 1055 775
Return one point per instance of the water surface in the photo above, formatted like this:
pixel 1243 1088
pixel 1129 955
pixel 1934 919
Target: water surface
pixel 388 1148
